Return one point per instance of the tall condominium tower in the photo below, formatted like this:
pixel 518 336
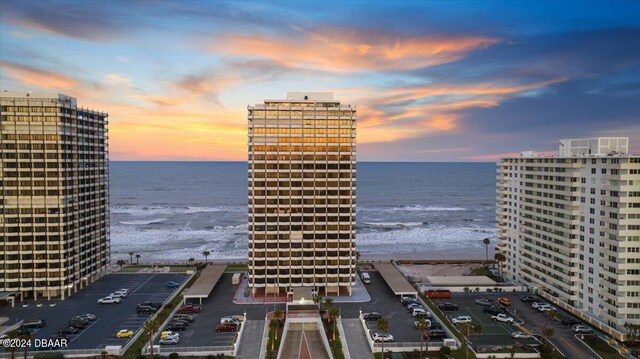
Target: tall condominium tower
pixel 54 195
pixel 570 226
pixel 302 195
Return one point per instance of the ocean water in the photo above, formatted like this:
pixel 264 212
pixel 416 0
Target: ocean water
pixel 176 210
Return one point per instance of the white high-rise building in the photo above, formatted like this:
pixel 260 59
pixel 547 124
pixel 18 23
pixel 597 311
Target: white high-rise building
pixel 54 195
pixel 570 227
pixel 302 183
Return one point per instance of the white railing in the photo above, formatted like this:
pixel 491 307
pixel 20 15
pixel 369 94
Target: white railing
pixel 166 350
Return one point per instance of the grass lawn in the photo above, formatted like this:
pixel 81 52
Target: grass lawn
pixel 236 268
pixel 601 347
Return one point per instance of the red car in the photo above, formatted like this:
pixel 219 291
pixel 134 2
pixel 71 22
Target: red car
pixel 189 309
pixel 227 327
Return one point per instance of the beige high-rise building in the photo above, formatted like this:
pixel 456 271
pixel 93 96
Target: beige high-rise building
pixel 54 195
pixel 302 195
pixel 570 226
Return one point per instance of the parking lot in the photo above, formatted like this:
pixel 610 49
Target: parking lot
pixel 385 302
pixel 110 317
pixel 493 333
pixel 202 331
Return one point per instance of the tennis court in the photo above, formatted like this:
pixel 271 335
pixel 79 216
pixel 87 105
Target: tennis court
pixel 493 333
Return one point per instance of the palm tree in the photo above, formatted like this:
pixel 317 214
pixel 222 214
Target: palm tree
pixel 357 253
pixel 138 258
pixel 277 315
pixel 383 327
pixel 27 337
pixel 206 254
pixel 317 299
pixel 191 260
pixel 273 325
pixel 465 328
pixel 131 257
pixel 422 325
pixel 151 327
pixel 486 242
pixel 121 263
pixel 333 318
pixel 12 349
pixel 477 330
pixel 328 303
pixel 499 257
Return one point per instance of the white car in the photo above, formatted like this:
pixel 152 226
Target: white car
pixel 535 305
pixel 109 300
pixel 418 311
pixel 521 335
pixel 118 295
pixel 379 337
pixel 169 341
pixel 545 308
pixel 581 329
pixel 125 290
pixel 122 293
pixel 225 320
pixel 461 319
pixel 502 318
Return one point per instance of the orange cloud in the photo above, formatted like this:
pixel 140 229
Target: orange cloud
pixel 349 52
pixel 40 78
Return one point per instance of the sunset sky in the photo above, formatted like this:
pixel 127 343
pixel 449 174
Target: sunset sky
pixel 432 81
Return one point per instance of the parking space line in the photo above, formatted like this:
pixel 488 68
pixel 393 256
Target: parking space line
pixel 84 331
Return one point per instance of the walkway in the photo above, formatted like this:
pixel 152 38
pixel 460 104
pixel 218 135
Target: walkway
pixel 304 344
pixel 358 346
pixel 251 339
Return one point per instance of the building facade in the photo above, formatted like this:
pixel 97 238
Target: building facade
pixel 54 195
pixel 570 226
pixel 302 195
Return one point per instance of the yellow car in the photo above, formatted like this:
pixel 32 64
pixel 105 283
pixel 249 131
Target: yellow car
pixel 124 333
pixel 167 334
pixel 504 301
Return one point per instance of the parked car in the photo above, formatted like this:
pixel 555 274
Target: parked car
pixel 408 300
pixel 504 301
pixel 118 295
pixel 371 316
pixel 419 311
pixel 88 316
pixel 227 327
pixel 176 327
pixel 483 302
pixel 24 330
pixel 169 341
pixel 545 308
pixel 436 334
pixel 169 334
pixel 68 330
pixel 535 305
pixel 436 325
pixel 151 304
pixel 78 323
pixel 172 285
pixel 124 333
pixel 502 318
pixel 438 294
pixel 228 319
pixel 379 337
pixel 423 315
pixel 189 309
pixel 581 329
pixel 493 310
pixel 122 292
pixel 146 309
pixel 521 335
pixel 414 305
pixel 125 290
pixel 109 300
pixel 528 298
pixel 34 323
pixel 187 317
pixel 570 321
pixel 447 306
pixel 461 319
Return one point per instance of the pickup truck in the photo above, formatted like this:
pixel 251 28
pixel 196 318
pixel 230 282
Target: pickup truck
pixel 502 318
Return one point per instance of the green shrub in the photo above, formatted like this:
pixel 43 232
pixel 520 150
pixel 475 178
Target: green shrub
pixel 445 350
pixel 174 356
pixel 141 356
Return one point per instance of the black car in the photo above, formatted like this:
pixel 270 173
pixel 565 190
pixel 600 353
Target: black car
pixel 408 300
pixel 23 331
pixel 151 304
pixel 146 309
pixel 184 322
pixel 528 298
pixel 371 316
pixel 68 330
pixel 36 323
pixel 176 327
pixel 435 334
pixel 425 315
pixel 570 321
pixel 493 310
pixel 187 317
pixel 78 323
pixel 447 306
pixel 435 325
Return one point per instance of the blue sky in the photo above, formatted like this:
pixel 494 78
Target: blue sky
pixel 433 81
